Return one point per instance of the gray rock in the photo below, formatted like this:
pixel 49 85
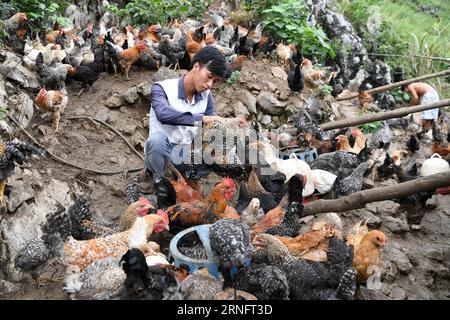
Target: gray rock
pixel 13 70
pixel 259 116
pixel 21 107
pixel 103 114
pixel 164 74
pixel 395 225
pixel 240 109
pixel 397 293
pixel 434 253
pixel 224 109
pixel 269 104
pixel 131 95
pixel 7 288
pixel 254 87
pixel 248 100
pixel 269 86
pixel 266 119
pixel 400 259
pixel 145 89
pixel 78 137
pixel 279 73
pixel 5 130
pixel 115 101
pixel 388 208
pixel 21 190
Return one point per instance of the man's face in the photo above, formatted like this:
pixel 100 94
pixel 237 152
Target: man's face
pixel 203 78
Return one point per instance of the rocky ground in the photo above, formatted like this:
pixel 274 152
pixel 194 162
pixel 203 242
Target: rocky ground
pixel 416 260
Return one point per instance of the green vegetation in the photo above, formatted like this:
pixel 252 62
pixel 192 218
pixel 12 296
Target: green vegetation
pixel 3 113
pixel 371 127
pixel 234 77
pixel 137 12
pixel 407 28
pixel 42 12
pixel 325 90
pixel 400 96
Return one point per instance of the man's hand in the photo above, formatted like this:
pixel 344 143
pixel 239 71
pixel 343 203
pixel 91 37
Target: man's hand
pixel 207 119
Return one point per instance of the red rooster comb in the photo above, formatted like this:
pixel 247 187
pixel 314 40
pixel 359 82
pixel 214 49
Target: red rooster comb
pixel 243 122
pixel 229 183
pixel 144 201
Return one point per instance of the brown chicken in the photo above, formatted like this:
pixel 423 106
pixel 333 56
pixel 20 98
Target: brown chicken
pixel 364 100
pixel 236 64
pixel 344 145
pixel 316 77
pixel 53 101
pixel 129 56
pixel 360 140
pixel 442 151
pixel 184 192
pixel 192 46
pixel 312 245
pixel 83 253
pixel 272 218
pixel 213 208
pixel 139 208
pixel 284 52
pixel 368 245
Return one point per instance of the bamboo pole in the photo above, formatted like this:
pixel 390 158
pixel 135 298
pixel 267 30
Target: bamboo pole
pixel 398 84
pixel 398 113
pixel 358 200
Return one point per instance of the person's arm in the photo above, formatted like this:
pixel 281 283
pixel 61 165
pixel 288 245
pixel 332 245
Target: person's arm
pixel 415 97
pixel 168 115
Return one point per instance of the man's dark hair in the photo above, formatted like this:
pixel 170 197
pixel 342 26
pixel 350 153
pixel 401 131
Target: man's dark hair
pixel 403 87
pixel 211 57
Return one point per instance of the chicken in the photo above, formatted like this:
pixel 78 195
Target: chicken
pixel 315 78
pixel 311 245
pixel 339 163
pixel 164 193
pixel 248 42
pixel 296 82
pixel 86 225
pixel 13 152
pixel 89 73
pixel 344 145
pixel 291 224
pixel 200 285
pixel 368 245
pixel 234 63
pixel 289 167
pixel 263 281
pixel 192 45
pixel 284 219
pixel 383 137
pixel 52 78
pixel 323 180
pixel 284 53
pixel 11 29
pixel 174 50
pixel 83 253
pixel 253 213
pixel 442 151
pixel 364 99
pixel 147 283
pixel 353 182
pixel 101 280
pixel 209 210
pixel 53 101
pixel 36 253
pixel 309 279
pixel 230 243
pixel 233 294
pixel 129 56
pixel 254 189
pixel 360 140
pixel 413 144
pixel 184 192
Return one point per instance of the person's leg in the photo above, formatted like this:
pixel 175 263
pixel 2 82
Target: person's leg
pixel 157 149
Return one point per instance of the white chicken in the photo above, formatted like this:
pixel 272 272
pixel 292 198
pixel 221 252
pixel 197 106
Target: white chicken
pixel 323 180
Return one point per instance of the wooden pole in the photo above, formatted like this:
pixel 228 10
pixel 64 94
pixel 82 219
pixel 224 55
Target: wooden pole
pixel 383 115
pixel 447 60
pixel 358 200
pixel 398 84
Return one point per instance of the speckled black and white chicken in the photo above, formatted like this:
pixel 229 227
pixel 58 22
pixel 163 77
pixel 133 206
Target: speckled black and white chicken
pixel 200 285
pixel 353 182
pixel 339 163
pixel 173 49
pixel 230 243
pixel 36 253
pixel 383 137
pixel 263 281
pixel 164 193
pixel 311 280
pixel 13 152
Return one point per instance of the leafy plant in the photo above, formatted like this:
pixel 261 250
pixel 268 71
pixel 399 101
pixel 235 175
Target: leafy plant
pixel 3 113
pixel 45 12
pixel 138 12
pixel 371 127
pixel 325 90
pixel 287 20
pixel 400 96
pixel 234 77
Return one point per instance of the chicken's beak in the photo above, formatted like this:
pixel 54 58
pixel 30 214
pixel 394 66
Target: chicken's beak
pixel 167 227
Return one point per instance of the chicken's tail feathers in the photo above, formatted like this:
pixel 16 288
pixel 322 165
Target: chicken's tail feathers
pixel 347 285
pixel 77 213
pixel 57 227
pixel 339 257
pixel 133 190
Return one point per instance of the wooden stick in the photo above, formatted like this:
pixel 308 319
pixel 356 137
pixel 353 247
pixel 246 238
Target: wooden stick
pixel 409 56
pixel 383 115
pixel 398 84
pixel 358 200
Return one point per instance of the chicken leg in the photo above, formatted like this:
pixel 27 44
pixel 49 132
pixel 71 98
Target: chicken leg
pixel 2 189
pixel 56 118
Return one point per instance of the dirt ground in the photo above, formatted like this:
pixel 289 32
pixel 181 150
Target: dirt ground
pixel 94 146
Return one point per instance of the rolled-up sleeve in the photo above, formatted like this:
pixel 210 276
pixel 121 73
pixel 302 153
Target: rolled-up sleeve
pixel 168 115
